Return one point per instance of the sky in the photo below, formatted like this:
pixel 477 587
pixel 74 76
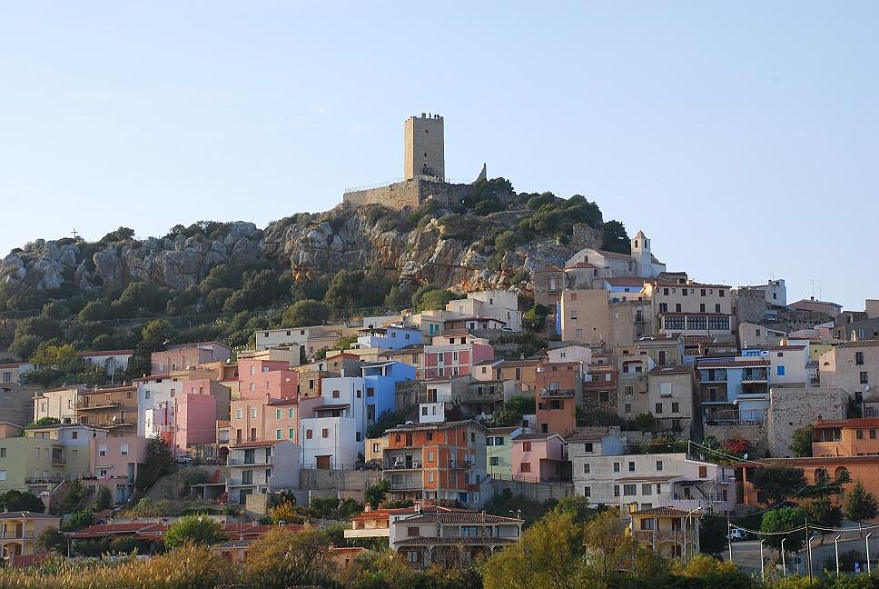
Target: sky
pixel 741 137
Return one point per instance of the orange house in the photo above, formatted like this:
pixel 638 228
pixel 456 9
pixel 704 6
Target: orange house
pixel 819 469
pixel 559 385
pixel 440 461
pixel 846 437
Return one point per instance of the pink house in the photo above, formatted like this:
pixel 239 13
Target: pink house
pixel 258 378
pixel 540 458
pixel 180 357
pixel 196 420
pixel 265 419
pixel 113 463
pixel 454 355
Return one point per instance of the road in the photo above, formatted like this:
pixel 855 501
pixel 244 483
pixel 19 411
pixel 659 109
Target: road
pixel 746 555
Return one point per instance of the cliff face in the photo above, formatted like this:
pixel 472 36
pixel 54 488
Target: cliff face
pixel 344 238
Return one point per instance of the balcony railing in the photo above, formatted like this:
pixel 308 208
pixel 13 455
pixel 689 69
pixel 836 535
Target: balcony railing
pixel 556 393
pixel 13 535
pixel 96 404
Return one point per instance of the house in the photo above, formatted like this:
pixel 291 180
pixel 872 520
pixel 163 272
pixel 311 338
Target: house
pixel 72 451
pixel 668 531
pixel 733 390
pixel 393 337
pixel 644 481
pixel 260 467
pixel 670 397
pixel 452 538
pixel 501 305
pixel 454 354
pixel 114 463
pixel 182 356
pixel 499 451
pixel 845 437
pixel 814 306
pixel 788 365
pixel 560 386
pixel 854 368
pixel 19 531
pixel 442 462
pixel 540 458
pixel 58 403
pixel 583 317
pixel 114 409
pixel 816 470
pixel 275 378
pixel 549 282
pixel 114 362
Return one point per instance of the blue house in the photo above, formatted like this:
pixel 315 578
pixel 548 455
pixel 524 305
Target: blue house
pixel 733 390
pixel 380 381
pixel 393 337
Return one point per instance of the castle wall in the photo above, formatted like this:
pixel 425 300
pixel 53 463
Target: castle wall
pixel 409 193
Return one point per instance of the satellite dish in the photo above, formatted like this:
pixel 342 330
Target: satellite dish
pixel 745 456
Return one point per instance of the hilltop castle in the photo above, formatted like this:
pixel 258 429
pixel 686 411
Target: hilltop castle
pixel 424 169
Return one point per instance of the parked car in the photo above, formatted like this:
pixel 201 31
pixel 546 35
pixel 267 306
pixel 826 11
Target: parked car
pixel 184 459
pixel 737 534
pixel 370 464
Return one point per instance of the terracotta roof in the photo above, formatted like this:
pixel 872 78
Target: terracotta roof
pixel 669 511
pixel 626 281
pixel 256 444
pixel 614 255
pixel 26 515
pixel 848 423
pixel 460 517
pixel 683 369
pixel 867 343
pixel 435 426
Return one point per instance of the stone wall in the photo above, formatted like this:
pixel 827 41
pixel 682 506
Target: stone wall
pixel 409 193
pixel 539 492
pixel 755 433
pixel 792 408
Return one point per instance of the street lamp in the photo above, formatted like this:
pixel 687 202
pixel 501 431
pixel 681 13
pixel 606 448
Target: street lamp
pixel 686 524
pixel 762 561
pixel 867 545
pixel 783 560
pixel 809 555
pixel 836 550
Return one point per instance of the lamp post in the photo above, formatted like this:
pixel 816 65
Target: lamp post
pixel 783 560
pixel 762 561
pixel 686 525
pixel 867 546
pixel 836 551
pixel 809 557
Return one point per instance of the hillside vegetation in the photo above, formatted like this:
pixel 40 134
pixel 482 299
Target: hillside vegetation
pixel 223 281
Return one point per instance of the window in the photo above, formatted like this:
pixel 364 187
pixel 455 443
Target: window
pixel 308 434
pixel 412 531
pixel 123 449
pixel 587 447
pixel 603 396
pixel 665 389
pixel 864 379
pixel 239 414
pixel 630 489
pixel 2 452
pixel 2 475
pixel 701 307
pixel 631 466
pixel 336 394
pixel 616 490
pixel 663 307
pixel 658 409
pixel 525 467
pixel 721 293
pixel 586 468
pixel 717 309
pixel 102 450
pixel 290 433
pixel 872 434
pixel 7 377
pixel 860 434
pixel 859 358
pixel 628 408
pixel 526 446
pixel 494 461
pixel 646 489
pixel 629 389
pixel 587 492
pixel 616 466
pixel 74 435
pixel 779 370
pixel 277 414
pixel 703 472
pixel 277 434
pixel 325 433
pixel 659 465
pixel 253 412
pixel 675 407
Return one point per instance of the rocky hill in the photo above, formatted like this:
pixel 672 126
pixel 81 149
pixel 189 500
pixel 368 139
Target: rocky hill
pixel 494 239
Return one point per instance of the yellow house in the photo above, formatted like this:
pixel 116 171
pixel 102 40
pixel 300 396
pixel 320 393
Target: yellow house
pixel 670 532
pixel 19 531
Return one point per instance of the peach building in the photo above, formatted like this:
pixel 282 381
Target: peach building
pixel 19 531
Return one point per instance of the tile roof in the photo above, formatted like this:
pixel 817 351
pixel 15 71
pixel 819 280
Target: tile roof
pixel 669 511
pixel 456 541
pixel 459 517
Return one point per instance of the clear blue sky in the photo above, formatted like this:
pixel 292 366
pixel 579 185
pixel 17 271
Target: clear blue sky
pixel 742 137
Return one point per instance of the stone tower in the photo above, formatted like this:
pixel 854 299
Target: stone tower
pixel 423 150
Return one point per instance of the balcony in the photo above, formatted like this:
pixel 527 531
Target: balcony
pixel 58 461
pixel 405 483
pixel 86 404
pixel 17 535
pixel 556 394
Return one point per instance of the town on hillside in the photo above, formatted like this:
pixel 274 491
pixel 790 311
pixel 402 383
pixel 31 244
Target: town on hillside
pixel 620 400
